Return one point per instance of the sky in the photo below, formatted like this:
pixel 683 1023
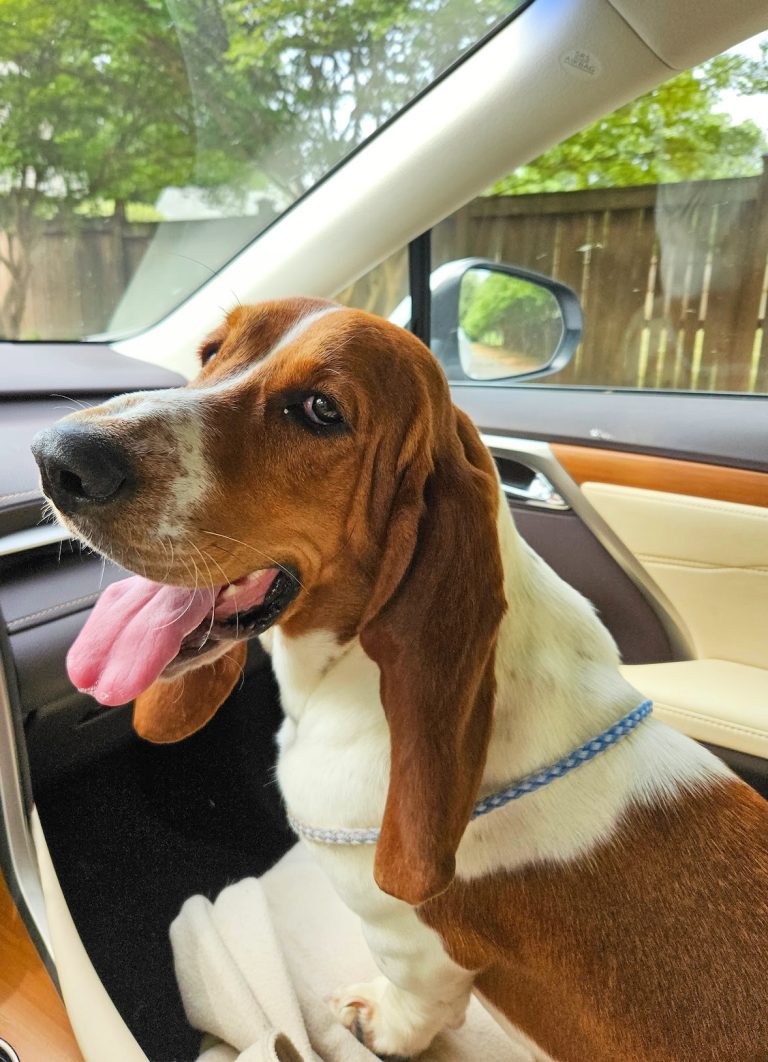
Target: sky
pixel 743 107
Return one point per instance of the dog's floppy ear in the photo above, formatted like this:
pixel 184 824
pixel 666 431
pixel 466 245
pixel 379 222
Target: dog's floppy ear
pixel 432 630
pixel 172 709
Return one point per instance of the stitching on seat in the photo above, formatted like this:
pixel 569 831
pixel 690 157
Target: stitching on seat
pixel 88 599
pixel 702 566
pixel 737 728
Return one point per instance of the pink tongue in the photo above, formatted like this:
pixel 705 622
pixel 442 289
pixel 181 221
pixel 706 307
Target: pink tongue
pixel 135 630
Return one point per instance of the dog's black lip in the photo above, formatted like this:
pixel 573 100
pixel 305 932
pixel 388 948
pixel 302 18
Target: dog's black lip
pixel 285 586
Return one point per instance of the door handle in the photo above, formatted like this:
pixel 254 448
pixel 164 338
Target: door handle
pixel 528 486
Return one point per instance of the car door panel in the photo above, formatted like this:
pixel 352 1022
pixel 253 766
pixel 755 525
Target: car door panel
pixel 715 701
pixel 710 558
pixel 569 547
pixel 681 482
pixel 563 529
pixel 35 1021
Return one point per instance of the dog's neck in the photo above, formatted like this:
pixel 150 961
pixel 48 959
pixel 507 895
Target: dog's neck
pixel 557 667
pixel 557 684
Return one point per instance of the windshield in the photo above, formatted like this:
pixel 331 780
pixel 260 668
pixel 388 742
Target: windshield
pixel 143 144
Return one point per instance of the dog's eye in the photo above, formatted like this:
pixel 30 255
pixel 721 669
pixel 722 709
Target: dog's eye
pixel 316 412
pixel 320 409
pixel 209 351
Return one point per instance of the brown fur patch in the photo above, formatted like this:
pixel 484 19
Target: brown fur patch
pixel 653 949
pixel 434 616
pixel 172 709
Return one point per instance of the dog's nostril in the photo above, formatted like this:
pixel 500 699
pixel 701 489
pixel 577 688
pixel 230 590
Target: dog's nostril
pixel 71 483
pixel 93 485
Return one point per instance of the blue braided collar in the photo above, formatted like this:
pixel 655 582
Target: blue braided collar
pixel 529 784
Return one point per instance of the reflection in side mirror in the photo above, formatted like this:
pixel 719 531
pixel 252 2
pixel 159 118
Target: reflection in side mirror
pixel 508 326
pixel 494 321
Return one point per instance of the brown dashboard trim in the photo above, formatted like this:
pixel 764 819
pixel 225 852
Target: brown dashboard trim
pixel 592 464
pixel 33 1019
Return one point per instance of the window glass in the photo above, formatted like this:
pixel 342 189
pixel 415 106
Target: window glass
pixel 382 288
pixel 657 217
pixel 143 144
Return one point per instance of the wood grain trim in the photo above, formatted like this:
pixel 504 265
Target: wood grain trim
pixel 590 464
pixel 32 1015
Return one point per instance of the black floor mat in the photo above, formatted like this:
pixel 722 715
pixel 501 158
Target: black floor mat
pixel 135 834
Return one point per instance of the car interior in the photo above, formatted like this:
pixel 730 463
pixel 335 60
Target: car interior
pixel 649 498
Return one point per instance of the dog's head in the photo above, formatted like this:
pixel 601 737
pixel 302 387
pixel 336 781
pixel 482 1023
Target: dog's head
pixel 314 474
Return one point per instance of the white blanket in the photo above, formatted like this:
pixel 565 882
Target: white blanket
pixel 255 967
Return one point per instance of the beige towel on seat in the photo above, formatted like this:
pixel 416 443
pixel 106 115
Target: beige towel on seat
pixel 233 980
pixel 255 967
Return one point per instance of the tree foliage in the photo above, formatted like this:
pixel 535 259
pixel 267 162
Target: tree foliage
pixel 93 105
pixel 117 99
pixel 497 309
pixel 111 101
pixel 676 132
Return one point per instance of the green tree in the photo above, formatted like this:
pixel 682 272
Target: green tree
pixel 676 132
pixel 93 106
pixel 104 103
pixel 323 74
pixel 497 309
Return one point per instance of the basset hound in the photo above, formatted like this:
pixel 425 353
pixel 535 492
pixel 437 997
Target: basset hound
pixel 315 482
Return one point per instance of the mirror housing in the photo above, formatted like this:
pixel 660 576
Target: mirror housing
pixel 471 332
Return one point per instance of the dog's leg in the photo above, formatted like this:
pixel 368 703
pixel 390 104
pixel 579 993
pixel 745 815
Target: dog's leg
pixel 422 991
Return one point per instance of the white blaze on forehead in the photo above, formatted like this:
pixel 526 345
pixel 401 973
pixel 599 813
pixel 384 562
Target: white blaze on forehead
pixel 299 327
pixel 144 403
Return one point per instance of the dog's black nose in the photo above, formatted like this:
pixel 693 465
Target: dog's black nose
pixel 81 467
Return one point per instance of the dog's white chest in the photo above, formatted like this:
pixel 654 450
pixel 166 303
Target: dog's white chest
pixel 333 762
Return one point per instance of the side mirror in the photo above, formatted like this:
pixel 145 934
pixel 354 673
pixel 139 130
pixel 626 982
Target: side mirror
pixel 492 321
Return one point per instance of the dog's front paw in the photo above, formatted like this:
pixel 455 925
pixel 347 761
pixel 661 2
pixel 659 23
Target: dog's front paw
pixel 392 1023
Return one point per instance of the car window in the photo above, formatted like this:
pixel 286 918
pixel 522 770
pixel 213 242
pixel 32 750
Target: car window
pixel 143 145
pixel 657 217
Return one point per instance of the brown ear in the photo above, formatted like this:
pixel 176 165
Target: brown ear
pixel 172 709
pixel 434 641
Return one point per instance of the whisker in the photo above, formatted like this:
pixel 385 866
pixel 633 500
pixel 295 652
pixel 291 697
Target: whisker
pixel 260 552
pixel 226 580
pixel 213 591
pixel 206 557
pixel 205 265
pixel 188 606
pixel 165 551
pixel 240 667
pixel 68 398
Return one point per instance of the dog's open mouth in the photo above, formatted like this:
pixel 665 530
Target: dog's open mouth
pixel 138 628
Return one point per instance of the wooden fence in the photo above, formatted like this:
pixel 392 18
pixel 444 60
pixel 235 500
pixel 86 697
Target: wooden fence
pixel 79 270
pixel 672 278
